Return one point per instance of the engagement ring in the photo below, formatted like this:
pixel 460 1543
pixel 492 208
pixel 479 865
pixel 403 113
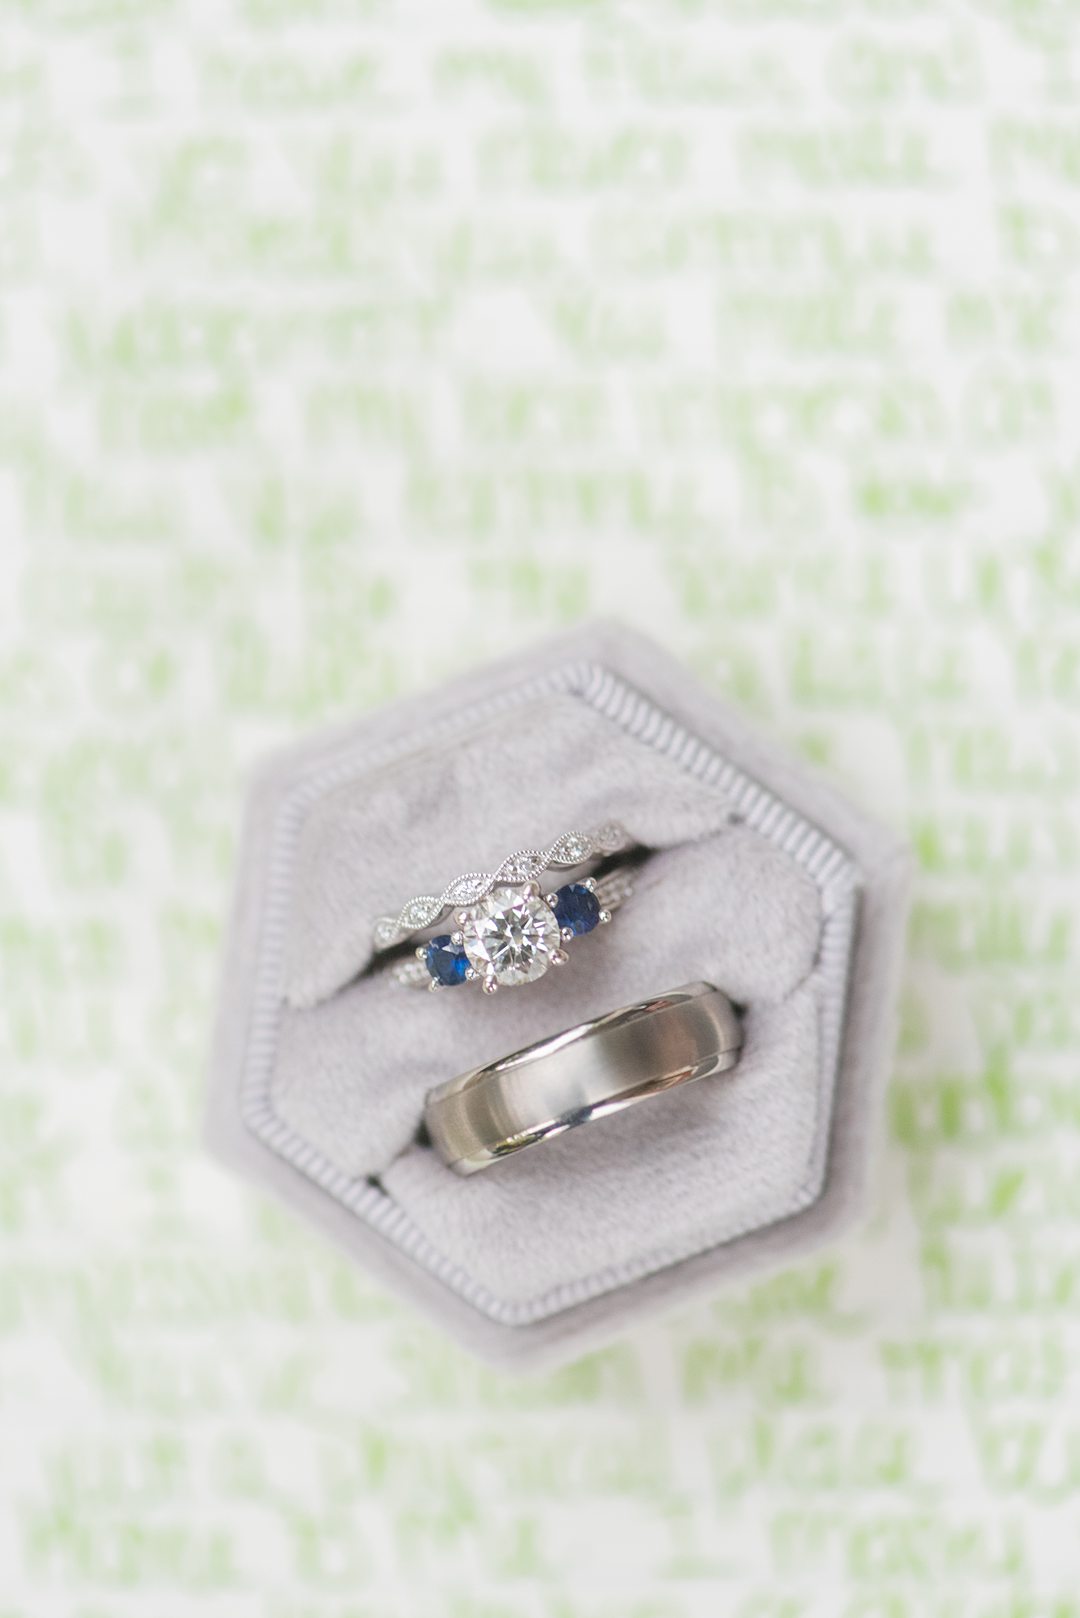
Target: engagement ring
pixel 514 933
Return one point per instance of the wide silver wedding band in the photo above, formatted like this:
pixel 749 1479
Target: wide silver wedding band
pixel 586 1072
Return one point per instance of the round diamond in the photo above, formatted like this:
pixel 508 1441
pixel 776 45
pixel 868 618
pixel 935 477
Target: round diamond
pixel 511 936
pixel 466 889
pixel 420 912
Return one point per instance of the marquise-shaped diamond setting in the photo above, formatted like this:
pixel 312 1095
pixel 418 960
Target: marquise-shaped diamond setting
pixel 426 909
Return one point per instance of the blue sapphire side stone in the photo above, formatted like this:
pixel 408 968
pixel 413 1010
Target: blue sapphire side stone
pixel 576 907
pixel 446 963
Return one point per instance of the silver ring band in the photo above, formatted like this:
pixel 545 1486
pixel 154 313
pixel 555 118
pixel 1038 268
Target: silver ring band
pixel 587 1072
pixel 427 909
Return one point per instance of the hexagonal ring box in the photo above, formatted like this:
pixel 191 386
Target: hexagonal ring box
pixel 758 877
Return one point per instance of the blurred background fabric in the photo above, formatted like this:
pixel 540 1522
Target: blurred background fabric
pixel 345 343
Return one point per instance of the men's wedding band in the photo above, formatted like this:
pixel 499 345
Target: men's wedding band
pixel 586 1072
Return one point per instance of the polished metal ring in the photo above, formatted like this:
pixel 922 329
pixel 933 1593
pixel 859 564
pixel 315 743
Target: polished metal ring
pixel 587 1072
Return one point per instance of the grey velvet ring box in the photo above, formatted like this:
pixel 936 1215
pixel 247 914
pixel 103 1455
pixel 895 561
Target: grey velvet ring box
pixel 761 879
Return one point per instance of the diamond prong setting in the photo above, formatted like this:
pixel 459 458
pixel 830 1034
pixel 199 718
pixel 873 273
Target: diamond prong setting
pixel 515 933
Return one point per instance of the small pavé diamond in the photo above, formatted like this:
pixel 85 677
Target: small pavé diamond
pixel 467 889
pixel 572 848
pixel 520 867
pixel 420 912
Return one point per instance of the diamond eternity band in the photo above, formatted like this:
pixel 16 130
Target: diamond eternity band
pixel 428 909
